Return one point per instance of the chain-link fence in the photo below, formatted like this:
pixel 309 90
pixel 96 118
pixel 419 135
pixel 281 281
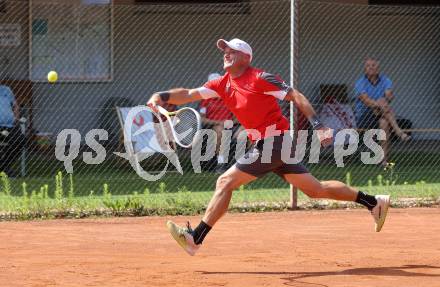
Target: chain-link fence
pixel 114 55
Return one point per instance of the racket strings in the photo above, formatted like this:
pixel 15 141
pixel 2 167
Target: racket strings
pixel 186 125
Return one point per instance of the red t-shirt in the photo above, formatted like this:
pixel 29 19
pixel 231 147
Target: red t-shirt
pixel 252 98
pixel 215 109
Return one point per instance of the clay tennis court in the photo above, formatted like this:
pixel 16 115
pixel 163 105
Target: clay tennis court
pixel 301 248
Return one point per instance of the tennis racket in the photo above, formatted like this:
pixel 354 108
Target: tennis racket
pixel 184 123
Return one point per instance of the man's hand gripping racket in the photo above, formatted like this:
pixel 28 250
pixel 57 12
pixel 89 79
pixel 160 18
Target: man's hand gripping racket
pixel 184 123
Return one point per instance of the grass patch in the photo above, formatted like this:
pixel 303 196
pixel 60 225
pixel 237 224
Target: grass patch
pixel 61 199
pixel 125 182
pixel 410 167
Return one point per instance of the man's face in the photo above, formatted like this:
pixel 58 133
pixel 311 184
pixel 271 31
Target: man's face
pixel 371 68
pixel 233 58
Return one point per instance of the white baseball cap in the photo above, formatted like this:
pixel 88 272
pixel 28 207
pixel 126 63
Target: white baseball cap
pixel 235 44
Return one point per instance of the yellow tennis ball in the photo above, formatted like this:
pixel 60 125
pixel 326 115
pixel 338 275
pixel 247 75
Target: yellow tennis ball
pixel 52 76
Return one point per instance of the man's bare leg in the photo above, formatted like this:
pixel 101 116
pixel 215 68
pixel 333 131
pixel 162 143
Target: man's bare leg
pixel 307 183
pixel 313 188
pixel 190 239
pixel 232 179
pixel 390 117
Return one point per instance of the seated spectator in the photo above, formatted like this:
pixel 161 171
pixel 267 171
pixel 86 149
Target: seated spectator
pixel 374 93
pixel 214 114
pixel 10 131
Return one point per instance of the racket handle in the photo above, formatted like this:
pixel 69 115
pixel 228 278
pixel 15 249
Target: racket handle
pixel 163 111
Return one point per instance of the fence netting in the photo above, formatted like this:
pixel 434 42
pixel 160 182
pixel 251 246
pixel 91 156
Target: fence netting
pixel 113 57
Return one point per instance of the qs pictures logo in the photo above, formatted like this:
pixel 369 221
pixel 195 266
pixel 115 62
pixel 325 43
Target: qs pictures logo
pixel 140 143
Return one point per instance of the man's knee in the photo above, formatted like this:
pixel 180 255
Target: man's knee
pixel 226 183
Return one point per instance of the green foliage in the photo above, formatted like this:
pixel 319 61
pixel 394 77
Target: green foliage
pixel 162 187
pixel 35 202
pixel 24 189
pixel 348 178
pixel 105 191
pixel 390 175
pixel 128 205
pixel 59 192
pixel 380 180
pixel 243 193
pixel 6 184
pixel 71 193
pixel 45 190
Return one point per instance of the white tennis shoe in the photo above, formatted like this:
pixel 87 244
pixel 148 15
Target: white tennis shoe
pixel 183 236
pixel 379 212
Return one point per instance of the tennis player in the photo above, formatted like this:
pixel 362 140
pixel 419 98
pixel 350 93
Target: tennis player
pixel 251 95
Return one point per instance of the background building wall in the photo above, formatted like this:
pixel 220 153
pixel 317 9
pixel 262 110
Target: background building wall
pixel 14 59
pixel 155 51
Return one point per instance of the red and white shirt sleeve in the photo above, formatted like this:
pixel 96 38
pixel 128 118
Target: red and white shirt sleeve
pixel 273 85
pixel 210 89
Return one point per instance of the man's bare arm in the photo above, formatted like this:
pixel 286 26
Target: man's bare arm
pixel 301 102
pixel 380 105
pixel 369 102
pixel 389 95
pixel 177 96
pixel 325 134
